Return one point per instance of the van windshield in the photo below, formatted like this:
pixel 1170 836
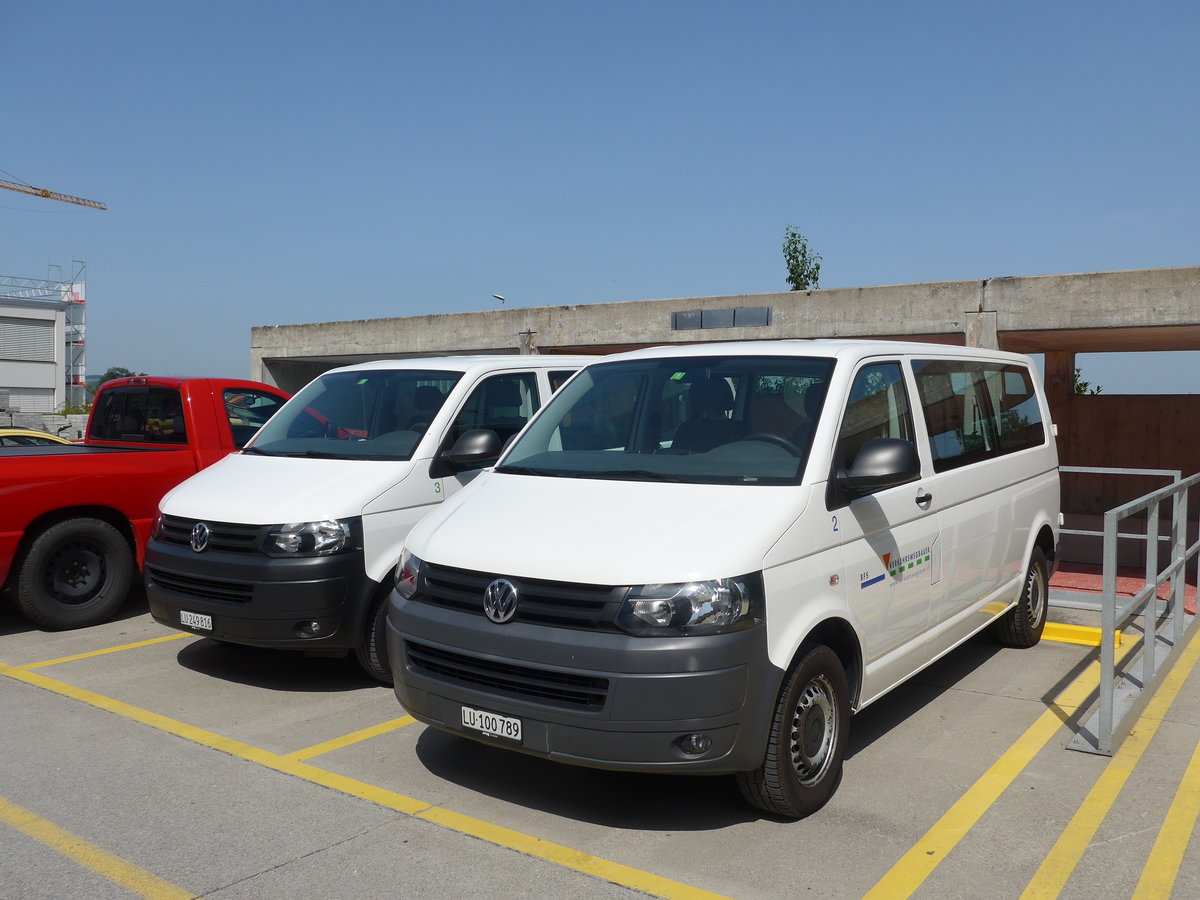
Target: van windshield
pixel 364 414
pixel 703 419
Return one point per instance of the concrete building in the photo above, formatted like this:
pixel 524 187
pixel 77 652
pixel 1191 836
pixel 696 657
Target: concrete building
pixel 1148 310
pixel 33 346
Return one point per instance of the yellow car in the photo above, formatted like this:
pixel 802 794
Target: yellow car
pixel 27 437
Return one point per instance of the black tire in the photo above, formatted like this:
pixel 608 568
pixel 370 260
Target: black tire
pixel 372 652
pixel 75 573
pixel 803 764
pixel 1022 626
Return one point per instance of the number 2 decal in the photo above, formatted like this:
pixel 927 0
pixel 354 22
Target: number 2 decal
pixel 835 523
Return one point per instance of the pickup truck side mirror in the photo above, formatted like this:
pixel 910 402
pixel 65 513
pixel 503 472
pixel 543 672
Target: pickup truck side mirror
pixel 479 445
pixel 880 463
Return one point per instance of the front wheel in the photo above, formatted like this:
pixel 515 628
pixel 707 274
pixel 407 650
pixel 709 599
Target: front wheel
pixel 1022 626
pixel 372 652
pixel 803 764
pixel 76 573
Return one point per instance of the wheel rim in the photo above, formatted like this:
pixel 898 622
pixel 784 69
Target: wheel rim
pixel 75 573
pixel 814 730
pixel 1035 591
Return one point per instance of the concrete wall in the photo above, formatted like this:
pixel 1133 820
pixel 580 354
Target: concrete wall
pixel 1136 310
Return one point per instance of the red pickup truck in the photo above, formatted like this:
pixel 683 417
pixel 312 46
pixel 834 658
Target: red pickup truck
pixel 74 519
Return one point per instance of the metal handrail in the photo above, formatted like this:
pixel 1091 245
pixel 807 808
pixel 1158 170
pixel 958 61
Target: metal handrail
pixel 1121 702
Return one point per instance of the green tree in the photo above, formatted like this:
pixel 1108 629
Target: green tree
pixel 1084 387
pixel 804 266
pixel 117 372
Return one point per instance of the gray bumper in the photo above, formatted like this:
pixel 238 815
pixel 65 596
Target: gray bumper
pixel 600 699
pixel 259 600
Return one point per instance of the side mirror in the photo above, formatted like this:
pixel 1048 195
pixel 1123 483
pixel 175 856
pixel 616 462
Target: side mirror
pixel 881 463
pixel 479 445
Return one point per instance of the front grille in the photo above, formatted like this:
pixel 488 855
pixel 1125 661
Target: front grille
pixel 562 604
pixel 203 588
pixel 546 686
pixel 226 536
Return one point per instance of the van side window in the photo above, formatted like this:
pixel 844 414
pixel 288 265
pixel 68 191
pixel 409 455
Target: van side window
pixel 502 403
pixel 975 411
pixel 1019 415
pixel 878 407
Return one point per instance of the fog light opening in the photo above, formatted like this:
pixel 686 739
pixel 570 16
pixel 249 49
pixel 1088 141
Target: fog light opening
pixel 695 744
pixel 310 629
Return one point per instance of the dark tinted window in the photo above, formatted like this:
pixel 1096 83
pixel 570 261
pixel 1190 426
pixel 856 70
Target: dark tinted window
pixel 976 410
pixel 143 414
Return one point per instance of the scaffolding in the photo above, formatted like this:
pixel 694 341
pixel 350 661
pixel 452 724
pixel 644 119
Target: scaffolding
pixel 71 294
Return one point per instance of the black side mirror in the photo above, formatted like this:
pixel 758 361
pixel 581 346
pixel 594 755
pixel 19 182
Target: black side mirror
pixel 479 445
pixel 881 463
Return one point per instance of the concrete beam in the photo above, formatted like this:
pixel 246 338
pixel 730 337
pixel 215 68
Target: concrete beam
pixel 1141 309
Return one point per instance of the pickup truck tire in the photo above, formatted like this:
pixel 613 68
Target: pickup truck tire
pixel 75 573
pixel 372 652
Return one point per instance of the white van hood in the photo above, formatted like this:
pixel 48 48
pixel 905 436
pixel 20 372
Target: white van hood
pixel 606 532
pixel 269 490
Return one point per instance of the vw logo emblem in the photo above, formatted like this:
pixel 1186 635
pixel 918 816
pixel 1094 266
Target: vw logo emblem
pixel 200 536
pixel 500 601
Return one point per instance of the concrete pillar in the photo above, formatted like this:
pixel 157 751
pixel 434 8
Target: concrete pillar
pixel 981 331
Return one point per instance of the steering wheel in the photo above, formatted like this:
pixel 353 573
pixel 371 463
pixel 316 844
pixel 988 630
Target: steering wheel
pixel 767 438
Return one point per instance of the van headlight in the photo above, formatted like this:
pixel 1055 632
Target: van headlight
pixel 322 538
pixel 694 607
pixel 407 573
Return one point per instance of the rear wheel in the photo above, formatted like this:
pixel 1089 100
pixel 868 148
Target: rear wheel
pixel 1022 626
pixel 372 652
pixel 803 764
pixel 76 573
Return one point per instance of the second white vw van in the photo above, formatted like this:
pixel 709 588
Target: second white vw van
pixel 291 544
pixel 705 558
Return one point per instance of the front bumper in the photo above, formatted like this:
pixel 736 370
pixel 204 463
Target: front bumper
pixel 599 699
pixel 259 600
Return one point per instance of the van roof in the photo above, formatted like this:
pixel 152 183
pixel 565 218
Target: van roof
pixel 488 362
pixel 851 348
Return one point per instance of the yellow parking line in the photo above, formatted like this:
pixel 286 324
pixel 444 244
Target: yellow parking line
pixel 1161 869
pixel 348 739
pixel 531 846
pixel 903 879
pixel 108 865
pixel 1054 872
pixel 93 653
pixel 613 872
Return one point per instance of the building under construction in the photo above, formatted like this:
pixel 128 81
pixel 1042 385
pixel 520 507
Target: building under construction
pixel 42 342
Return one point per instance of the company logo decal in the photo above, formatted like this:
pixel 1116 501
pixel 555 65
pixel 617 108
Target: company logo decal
pixel 500 601
pixel 200 536
pixel 902 568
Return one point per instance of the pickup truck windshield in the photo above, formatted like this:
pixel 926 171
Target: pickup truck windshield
pixel 364 414
pixel 703 419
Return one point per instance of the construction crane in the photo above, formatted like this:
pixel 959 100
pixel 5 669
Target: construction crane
pixel 49 194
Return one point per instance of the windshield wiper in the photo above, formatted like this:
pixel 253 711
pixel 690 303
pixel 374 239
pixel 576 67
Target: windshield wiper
pixel 527 470
pixel 258 452
pixel 314 454
pixel 634 475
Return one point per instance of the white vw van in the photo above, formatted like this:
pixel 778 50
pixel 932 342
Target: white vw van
pixel 292 542
pixel 705 558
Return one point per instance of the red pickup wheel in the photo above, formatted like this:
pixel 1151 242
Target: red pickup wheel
pixel 75 573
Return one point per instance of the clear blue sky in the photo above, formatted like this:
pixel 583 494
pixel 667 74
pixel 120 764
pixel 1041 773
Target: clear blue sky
pixel 278 163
